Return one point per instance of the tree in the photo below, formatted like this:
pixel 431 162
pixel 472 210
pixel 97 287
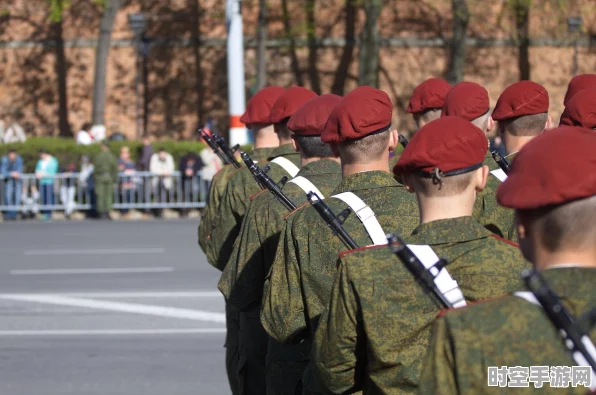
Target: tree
pixel 369 44
pixel 57 8
pixel 521 11
pixel 290 36
pixel 110 9
pixel 315 83
pixel 457 56
pixel 262 45
pixel 196 45
pixel 348 50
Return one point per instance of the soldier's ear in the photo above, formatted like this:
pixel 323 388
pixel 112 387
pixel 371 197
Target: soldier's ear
pixel 295 144
pixel 490 124
pixel 549 123
pixel 481 177
pixel 393 140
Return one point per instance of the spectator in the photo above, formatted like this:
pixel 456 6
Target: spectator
pixel 14 133
pixel 68 188
pixel 87 185
pixel 105 175
pixel 98 133
pixel 12 169
pixel 162 165
pixel 189 166
pixel 127 183
pixel 45 171
pixel 30 200
pixel 84 137
pixel 212 164
pixel 145 155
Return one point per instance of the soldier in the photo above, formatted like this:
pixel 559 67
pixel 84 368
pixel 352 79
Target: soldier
pixel 359 129
pixel 577 84
pixel 244 275
pixel 256 117
pixel 552 187
pixel 105 175
pixel 469 101
pixel 522 114
pixel 427 101
pixel 581 110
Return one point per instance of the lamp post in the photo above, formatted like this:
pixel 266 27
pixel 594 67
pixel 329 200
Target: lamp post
pixel 138 24
pixel 235 51
pixel 574 24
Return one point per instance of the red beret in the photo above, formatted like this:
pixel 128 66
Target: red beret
pixel 429 94
pixel 581 110
pixel 556 167
pixel 362 112
pixel 258 108
pixel 521 98
pixel 447 143
pixel 311 117
pixel 466 100
pixel 289 102
pixel 579 83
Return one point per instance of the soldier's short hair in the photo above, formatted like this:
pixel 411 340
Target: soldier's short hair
pixel 430 115
pixel 313 147
pixel 282 130
pixel 453 185
pixel 482 121
pixel 364 149
pixel 526 125
pixel 570 226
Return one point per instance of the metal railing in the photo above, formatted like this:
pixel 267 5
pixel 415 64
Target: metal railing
pixel 72 192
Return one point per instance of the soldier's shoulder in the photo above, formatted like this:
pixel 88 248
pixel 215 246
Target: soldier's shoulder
pixel 259 197
pixel 483 311
pixel 375 256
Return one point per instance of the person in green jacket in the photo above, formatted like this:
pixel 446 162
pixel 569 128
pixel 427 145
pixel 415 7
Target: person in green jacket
pixel 105 175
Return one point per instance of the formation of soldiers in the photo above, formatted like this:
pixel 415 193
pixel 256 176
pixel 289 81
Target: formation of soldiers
pixel 319 299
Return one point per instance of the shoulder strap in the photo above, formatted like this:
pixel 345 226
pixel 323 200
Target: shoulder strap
pixel 366 216
pixel 442 279
pixel 500 174
pixel 306 185
pixel 528 296
pixel 287 165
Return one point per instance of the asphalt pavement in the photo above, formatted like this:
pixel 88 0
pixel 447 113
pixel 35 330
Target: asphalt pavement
pixel 104 308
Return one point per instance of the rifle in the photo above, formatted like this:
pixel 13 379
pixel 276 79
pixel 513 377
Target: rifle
pixel 402 140
pixel 226 150
pixel 335 222
pixel 266 182
pixel 574 337
pixel 502 162
pixel 213 146
pixel 424 276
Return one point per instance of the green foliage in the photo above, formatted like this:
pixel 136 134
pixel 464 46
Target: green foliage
pixel 57 8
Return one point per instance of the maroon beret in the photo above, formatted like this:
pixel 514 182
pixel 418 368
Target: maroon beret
pixel 447 143
pixel 556 167
pixel 311 117
pixel 466 100
pixel 258 108
pixel 579 83
pixel 362 112
pixel 521 98
pixel 289 102
pixel 581 110
pixel 429 94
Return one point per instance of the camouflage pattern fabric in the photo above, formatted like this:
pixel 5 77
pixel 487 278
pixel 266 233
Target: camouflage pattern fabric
pixel 301 277
pixel 375 333
pixel 507 331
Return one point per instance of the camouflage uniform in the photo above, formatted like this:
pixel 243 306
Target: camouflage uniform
pixel 244 275
pixel 300 280
pixel 508 331
pixel 374 335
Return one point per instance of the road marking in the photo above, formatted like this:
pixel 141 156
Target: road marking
pixel 134 295
pixel 112 332
pixel 135 308
pixel 111 251
pixel 100 270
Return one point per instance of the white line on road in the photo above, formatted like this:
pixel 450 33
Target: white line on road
pixel 134 295
pixel 135 308
pixel 112 251
pixel 101 270
pixel 112 332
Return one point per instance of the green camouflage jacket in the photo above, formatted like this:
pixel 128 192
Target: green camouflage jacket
pixel 302 274
pixel 375 331
pixel 235 202
pixel 508 332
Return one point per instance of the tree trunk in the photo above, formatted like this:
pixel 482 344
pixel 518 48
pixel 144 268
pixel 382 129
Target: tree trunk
pixel 348 51
pixel 101 60
pixel 261 45
pixel 61 68
pixel 369 44
pixel 196 45
pixel 290 36
pixel 313 72
pixel 457 57
pixel 522 24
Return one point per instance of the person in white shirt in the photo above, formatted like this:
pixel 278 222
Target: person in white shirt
pixel 14 132
pixel 212 164
pixel 98 133
pixel 84 137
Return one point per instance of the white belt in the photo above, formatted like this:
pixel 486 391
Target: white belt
pixel 443 280
pixel 366 216
pixel 306 186
pixel 287 165
pixel 500 174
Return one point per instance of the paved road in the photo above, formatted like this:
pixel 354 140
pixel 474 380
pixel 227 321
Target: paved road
pixel 108 308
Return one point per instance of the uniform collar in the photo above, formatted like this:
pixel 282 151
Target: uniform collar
pixel 261 154
pixel 451 230
pixel 282 150
pixel 323 166
pixel 366 180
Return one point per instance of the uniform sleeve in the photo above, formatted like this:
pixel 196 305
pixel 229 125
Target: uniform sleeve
pixel 337 337
pixel 283 313
pixel 438 373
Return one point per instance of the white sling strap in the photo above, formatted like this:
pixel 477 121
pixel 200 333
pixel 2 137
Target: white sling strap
pixel 500 174
pixel 443 280
pixel 287 165
pixel 306 185
pixel 366 216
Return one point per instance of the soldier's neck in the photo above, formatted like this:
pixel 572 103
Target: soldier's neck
pixel 514 143
pixel 437 208
pixel 265 137
pixel 349 169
